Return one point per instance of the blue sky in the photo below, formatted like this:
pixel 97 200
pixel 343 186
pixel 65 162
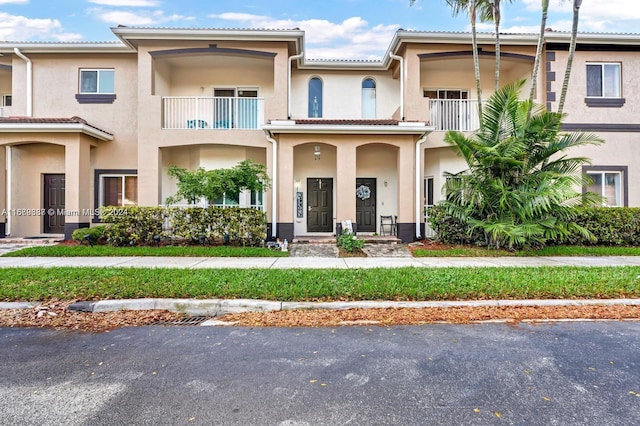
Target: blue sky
pixel 336 29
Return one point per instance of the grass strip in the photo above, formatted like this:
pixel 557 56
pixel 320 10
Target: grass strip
pixel 32 284
pixel 172 251
pixel 464 251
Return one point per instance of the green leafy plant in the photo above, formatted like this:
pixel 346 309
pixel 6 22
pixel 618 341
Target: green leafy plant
pixel 520 186
pixel 349 242
pixel 95 234
pixel 211 184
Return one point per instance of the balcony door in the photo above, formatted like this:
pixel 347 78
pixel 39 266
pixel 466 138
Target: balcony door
pixel 235 108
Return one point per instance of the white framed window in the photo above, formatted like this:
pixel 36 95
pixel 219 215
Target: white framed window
pixel 118 190
pixel 7 100
pixel 610 182
pixel 97 81
pixel 368 98
pixel 604 80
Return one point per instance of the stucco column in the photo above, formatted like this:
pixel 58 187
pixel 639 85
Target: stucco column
pixel 285 190
pixel 346 182
pixel 3 191
pixel 276 108
pixel 415 105
pixel 77 201
pixel 149 177
pixel 406 186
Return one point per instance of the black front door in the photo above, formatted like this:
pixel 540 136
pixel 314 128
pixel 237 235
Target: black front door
pixel 53 204
pixel 320 205
pixel 366 204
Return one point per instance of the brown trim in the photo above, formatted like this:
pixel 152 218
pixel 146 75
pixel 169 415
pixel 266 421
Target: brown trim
pixel 601 127
pixel 212 49
pixel 586 47
pixel 470 53
pixel 604 102
pixel 625 178
pixel 95 98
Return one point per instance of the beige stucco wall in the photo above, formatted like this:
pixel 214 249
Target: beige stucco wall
pixel 575 107
pixel 437 162
pixel 342 93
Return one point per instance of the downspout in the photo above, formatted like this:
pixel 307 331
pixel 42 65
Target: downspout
pixel 29 81
pixel 418 184
pixel 274 187
pixel 7 229
pixel 291 59
pixel 401 60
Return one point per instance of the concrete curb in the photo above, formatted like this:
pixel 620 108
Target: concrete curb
pixel 218 307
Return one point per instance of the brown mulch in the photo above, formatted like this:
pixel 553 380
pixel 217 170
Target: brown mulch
pixel 53 314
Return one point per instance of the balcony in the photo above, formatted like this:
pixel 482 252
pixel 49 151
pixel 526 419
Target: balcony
pixel 212 113
pixel 454 114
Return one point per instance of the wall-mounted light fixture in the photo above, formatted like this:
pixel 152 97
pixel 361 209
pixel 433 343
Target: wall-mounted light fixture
pixel 385 183
pixel 297 185
pixel 316 152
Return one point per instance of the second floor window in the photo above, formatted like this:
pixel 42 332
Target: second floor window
pixel 315 98
pixel 100 81
pixel 368 98
pixel 603 80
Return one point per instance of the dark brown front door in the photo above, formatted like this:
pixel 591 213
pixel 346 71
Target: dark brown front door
pixel 320 205
pixel 54 204
pixel 366 204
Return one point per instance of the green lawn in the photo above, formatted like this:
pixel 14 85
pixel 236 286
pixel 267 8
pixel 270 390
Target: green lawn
pixel 468 251
pixel 32 284
pixel 197 251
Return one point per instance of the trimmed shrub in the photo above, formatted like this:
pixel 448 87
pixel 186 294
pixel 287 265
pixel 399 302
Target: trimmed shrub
pixel 349 242
pixel 611 226
pixel 95 234
pixel 215 225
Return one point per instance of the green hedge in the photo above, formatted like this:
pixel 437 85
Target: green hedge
pixel 612 226
pixel 139 225
pixel 95 234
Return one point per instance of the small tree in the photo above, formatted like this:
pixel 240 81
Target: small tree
pixel 520 187
pixel 212 184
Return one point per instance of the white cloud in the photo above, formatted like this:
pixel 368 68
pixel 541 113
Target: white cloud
pixel 128 3
pixel 14 1
pixel 349 39
pixel 138 18
pixel 20 28
pixel 595 15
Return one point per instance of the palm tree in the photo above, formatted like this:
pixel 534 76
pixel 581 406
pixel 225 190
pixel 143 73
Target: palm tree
pixel 519 188
pixel 490 12
pixel 536 64
pixel 572 51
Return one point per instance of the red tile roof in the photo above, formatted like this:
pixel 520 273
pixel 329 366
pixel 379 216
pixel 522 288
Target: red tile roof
pixel 47 120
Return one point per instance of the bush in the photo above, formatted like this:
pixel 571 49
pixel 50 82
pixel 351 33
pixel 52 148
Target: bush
pixel 139 225
pixel 95 234
pixel 349 242
pixel 611 226
pixel 450 230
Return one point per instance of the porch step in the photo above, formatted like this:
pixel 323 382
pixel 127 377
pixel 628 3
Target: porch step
pixel 368 239
pixel 32 240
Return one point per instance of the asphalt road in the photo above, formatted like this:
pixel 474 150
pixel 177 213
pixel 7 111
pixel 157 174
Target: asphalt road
pixel 566 373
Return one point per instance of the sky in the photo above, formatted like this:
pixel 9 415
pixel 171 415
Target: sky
pixel 334 29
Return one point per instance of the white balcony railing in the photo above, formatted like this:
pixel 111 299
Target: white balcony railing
pixel 199 113
pixel 454 114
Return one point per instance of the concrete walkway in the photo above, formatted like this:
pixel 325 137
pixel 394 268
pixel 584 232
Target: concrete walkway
pixel 313 262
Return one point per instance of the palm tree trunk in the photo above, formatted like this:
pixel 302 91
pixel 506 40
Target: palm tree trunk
pixel 536 64
pixel 476 60
pixel 572 50
pixel 496 21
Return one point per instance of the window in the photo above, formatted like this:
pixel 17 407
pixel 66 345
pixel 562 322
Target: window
pixel 118 190
pixel 603 80
pixel 6 100
pixel 604 88
pixel 428 191
pixel 227 201
pixel 315 98
pixel 608 182
pixel 97 81
pixel 368 98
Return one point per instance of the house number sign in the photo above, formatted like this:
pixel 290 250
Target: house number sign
pixel 299 210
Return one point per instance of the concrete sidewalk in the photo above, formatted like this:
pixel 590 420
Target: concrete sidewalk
pixel 313 262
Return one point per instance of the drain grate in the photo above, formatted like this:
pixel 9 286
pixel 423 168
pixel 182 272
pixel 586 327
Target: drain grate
pixel 183 321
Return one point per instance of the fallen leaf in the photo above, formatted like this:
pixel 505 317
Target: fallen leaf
pixel 498 415
pixel 323 384
pixel 546 398
pixel 476 410
pixel 312 381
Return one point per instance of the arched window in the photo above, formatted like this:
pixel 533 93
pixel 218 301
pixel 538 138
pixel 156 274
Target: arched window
pixel 368 98
pixel 315 98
